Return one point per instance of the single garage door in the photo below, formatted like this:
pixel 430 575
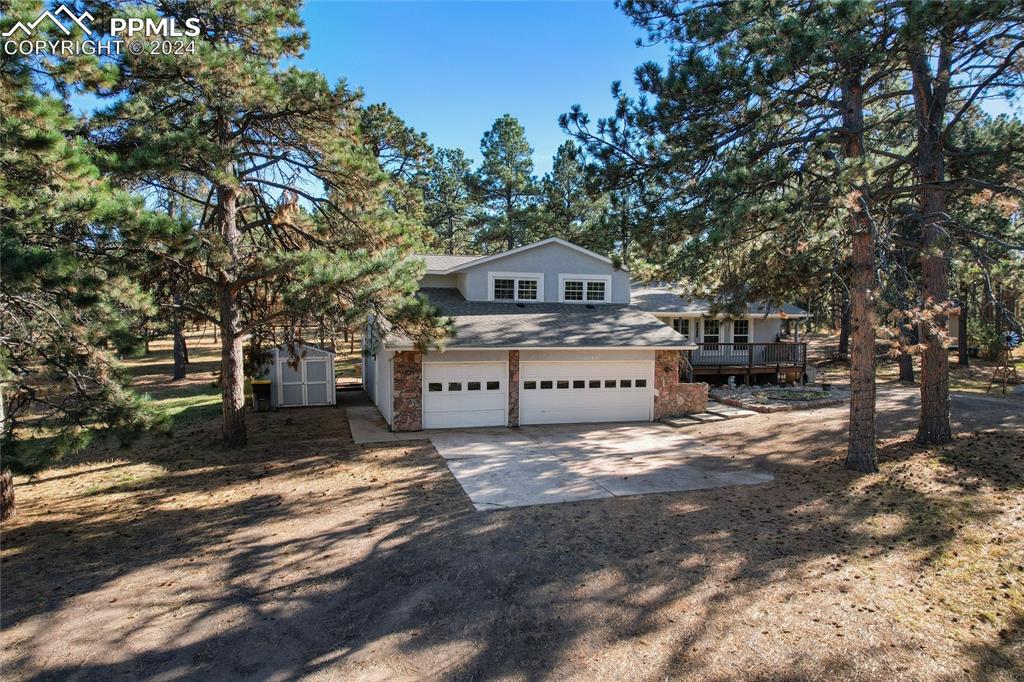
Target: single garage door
pixel 457 394
pixel 571 392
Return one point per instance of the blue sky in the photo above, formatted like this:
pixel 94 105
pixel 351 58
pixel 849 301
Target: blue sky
pixel 450 69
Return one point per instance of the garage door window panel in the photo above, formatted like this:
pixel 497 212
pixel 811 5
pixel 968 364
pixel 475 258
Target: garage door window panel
pixel 473 386
pixel 434 388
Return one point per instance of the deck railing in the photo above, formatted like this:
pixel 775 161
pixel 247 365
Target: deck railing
pixel 749 355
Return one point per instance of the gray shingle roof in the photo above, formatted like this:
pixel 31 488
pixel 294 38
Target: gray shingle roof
pixel 666 300
pixel 484 324
pixel 440 262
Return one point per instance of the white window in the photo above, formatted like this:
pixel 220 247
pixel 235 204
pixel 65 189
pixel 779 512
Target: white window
pixel 711 331
pixel 516 286
pixel 681 325
pixel 585 288
pixel 504 289
pixel 741 332
pixel 573 290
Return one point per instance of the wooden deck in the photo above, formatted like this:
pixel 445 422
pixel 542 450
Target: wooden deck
pixel 745 359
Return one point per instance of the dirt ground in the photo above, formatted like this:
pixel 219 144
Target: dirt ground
pixel 307 556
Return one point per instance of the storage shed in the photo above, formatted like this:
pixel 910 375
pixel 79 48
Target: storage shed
pixel 309 379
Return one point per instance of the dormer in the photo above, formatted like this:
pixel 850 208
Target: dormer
pixel 548 271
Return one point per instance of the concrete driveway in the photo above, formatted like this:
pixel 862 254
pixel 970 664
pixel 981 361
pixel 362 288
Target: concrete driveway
pixel 499 467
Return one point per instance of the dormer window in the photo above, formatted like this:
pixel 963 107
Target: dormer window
pixel 514 286
pixel 585 288
pixel 504 289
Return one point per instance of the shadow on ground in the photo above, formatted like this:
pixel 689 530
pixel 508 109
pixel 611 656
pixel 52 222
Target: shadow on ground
pixel 304 554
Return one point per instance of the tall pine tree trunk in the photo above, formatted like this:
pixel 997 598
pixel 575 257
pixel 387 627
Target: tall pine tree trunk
pixel 860 454
pixel 908 337
pixel 178 333
pixel 7 505
pixel 929 106
pixel 961 334
pixel 232 377
pixel 844 327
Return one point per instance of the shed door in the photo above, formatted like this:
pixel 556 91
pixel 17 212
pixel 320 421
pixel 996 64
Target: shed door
pixel 588 391
pixel 292 393
pixel 316 381
pixel 458 394
pixel 311 383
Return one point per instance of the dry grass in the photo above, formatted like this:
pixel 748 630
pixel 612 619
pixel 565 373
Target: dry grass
pixel 304 555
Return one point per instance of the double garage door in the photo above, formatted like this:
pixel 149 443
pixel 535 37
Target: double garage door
pixel 564 392
pixel 560 390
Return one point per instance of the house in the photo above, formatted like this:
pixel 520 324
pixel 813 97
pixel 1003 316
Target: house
pixel 543 334
pixel 553 333
pixel 762 342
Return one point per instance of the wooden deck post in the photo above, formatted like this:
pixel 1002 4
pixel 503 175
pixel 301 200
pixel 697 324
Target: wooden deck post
pixel 750 361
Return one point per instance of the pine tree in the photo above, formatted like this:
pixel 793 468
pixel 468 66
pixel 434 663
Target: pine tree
pixel 448 199
pixel 402 153
pixel 297 222
pixel 70 297
pixel 505 186
pixel 758 120
pixel 957 54
pixel 567 208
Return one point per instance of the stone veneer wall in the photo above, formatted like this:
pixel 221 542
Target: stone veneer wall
pixel 407 395
pixel 513 388
pixel 672 398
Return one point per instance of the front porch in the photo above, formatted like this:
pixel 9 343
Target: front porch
pixel 747 360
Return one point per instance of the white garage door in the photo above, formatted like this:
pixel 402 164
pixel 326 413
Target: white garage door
pixel 457 394
pixel 569 392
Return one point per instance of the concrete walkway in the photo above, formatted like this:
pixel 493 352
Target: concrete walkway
pixel 715 412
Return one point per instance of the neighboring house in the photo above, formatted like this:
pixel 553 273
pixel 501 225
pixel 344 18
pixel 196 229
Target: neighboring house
pixel 543 334
pixel 764 341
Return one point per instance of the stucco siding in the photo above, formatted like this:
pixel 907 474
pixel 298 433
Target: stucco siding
pixel 551 260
